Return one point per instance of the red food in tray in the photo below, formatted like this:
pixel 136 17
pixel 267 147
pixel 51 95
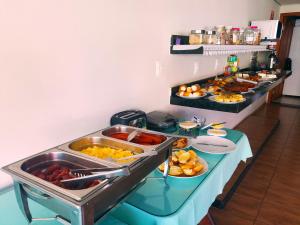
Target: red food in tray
pixel 141 138
pixel 238 86
pixel 55 173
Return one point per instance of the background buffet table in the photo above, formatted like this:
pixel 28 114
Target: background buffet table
pixel 184 201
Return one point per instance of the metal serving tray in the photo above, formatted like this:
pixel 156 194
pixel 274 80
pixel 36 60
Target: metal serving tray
pixel 21 170
pixel 127 129
pixel 76 146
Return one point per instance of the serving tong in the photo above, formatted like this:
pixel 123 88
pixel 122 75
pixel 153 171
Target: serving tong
pixel 132 135
pixel 84 175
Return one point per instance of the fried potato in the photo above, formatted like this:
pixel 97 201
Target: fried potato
pixel 186 166
pixel 174 158
pixel 175 171
pixel 198 167
pixel 161 167
pixel 189 172
pixel 178 153
pixel 193 154
pixel 191 162
pixel 184 157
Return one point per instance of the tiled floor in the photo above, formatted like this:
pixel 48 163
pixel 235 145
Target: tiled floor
pixel 288 101
pixel 270 192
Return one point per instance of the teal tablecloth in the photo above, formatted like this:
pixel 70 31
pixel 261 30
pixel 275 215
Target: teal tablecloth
pixel 184 201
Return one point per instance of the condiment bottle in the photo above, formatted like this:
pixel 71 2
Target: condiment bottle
pixel 235 35
pixel 210 37
pixel 196 37
pixel 220 35
pixel 249 36
pixel 228 38
pixel 257 35
pixel 241 38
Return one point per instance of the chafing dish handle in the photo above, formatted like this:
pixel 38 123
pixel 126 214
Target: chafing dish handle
pixel 34 194
pixel 22 201
pixel 57 218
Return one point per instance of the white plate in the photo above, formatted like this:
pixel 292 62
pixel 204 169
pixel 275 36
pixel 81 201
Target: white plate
pixel 229 146
pixel 212 98
pixel 221 133
pixel 191 97
pixel 203 171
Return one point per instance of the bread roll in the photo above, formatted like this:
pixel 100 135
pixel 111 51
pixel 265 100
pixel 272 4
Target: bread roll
pixel 181 93
pixel 189 89
pixel 196 87
pixel 196 94
pixel 182 87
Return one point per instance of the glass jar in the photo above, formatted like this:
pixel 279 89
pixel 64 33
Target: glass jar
pixel 249 36
pixel 241 38
pixel 257 35
pixel 228 38
pixel 235 32
pixel 220 35
pixel 210 37
pixel 196 37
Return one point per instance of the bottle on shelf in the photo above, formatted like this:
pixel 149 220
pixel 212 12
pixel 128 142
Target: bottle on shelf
pixel 196 37
pixel 249 36
pixel 235 32
pixel 210 37
pixel 241 37
pixel 257 35
pixel 220 35
pixel 228 37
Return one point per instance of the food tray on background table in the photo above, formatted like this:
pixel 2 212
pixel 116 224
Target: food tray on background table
pixel 191 97
pixel 214 99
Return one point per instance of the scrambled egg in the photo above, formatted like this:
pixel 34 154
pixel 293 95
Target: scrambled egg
pixel 106 152
pixel 229 98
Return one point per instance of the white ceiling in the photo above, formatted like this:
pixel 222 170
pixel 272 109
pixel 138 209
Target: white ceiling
pixel 286 2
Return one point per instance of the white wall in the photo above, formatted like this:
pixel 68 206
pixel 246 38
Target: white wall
pixel 290 8
pixel 67 65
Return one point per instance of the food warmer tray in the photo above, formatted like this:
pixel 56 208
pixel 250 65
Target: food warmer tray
pixel 85 206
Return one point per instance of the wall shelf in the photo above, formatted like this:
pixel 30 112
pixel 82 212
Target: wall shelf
pixel 179 45
pixel 216 49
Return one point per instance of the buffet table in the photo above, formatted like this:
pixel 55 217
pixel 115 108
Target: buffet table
pixel 182 201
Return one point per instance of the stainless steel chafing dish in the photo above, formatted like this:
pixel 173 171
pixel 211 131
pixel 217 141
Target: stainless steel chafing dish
pixel 84 206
